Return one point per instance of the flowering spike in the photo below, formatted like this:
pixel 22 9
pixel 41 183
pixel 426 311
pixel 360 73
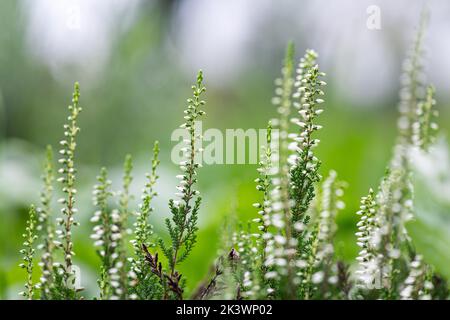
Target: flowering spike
pixel 424 128
pixel 106 234
pixel 68 178
pixel 368 239
pixel 45 225
pixel 143 231
pixel 121 264
pixel 417 285
pixel 28 252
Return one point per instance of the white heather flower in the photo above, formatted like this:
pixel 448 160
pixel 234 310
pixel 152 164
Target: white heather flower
pixel 317 277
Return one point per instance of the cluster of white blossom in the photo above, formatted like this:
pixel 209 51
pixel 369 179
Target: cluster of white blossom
pixel 247 245
pixel 424 128
pixel 382 234
pixel 45 226
pixel 330 204
pixel 289 187
pixel 192 147
pixel 413 84
pixel 417 285
pixel 368 272
pixel 106 235
pixel 304 169
pixel 143 229
pixel 383 225
pixel 276 204
pixel 307 89
pixel 67 179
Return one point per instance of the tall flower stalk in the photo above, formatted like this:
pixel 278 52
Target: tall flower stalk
pixel 304 172
pixel 46 226
pixel 182 226
pixel 67 179
pixel 368 272
pixel 143 232
pixel 275 259
pixel 264 184
pixel 418 285
pixel 124 213
pixel 106 233
pixel 424 128
pixel 28 253
pixel 289 189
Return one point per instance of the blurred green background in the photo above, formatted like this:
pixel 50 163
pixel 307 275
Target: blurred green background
pixel 135 61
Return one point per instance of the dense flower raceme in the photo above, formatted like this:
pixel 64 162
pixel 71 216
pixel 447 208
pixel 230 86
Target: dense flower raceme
pixel 28 253
pixel 287 251
pixel 45 228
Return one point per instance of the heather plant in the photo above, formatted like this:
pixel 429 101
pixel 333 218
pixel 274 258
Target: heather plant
pixel 143 284
pixel 291 256
pixel 122 262
pixel 287 250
